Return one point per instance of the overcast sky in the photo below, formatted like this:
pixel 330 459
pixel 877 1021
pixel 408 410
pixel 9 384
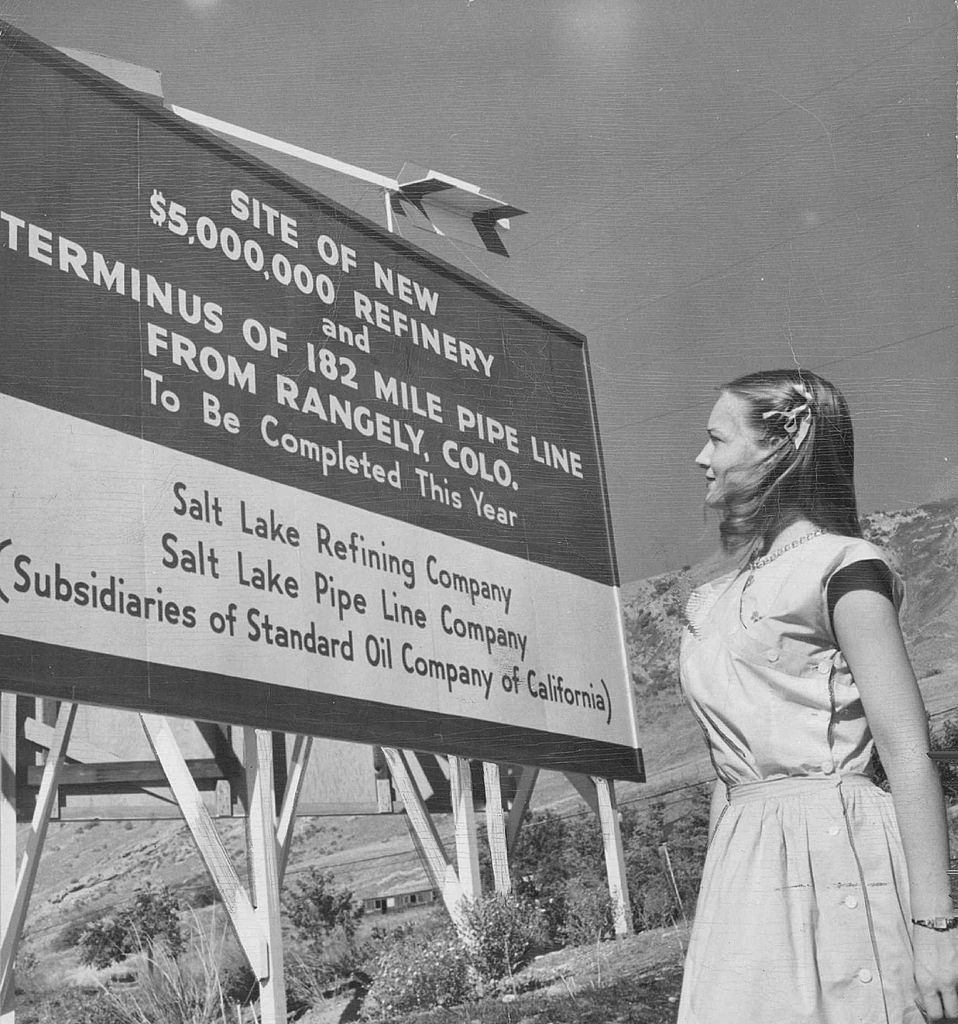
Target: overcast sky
pixel 713 188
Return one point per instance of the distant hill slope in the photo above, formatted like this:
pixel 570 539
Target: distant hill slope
pixel 923 541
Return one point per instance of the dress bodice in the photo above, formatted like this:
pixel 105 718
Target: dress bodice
pixel 763 673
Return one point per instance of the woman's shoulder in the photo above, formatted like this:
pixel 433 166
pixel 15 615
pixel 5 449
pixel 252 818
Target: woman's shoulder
pixel 835 552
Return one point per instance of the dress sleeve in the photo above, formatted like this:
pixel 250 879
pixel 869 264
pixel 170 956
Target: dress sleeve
pixel 862 566
pixel 871 575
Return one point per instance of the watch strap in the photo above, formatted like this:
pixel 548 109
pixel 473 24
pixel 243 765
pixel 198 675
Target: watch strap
pixel 937 924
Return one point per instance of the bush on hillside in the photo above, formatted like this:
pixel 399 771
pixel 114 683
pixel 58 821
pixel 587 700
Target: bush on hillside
pixel 150 922
pixel 316 908
pixel 587 912
pixel 416 974
pixel 550 853
pixel 651 893
pixel 501 932
pixel 559 863
pixel 325 949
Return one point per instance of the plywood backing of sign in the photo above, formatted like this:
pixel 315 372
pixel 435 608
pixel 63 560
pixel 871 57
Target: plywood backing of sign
pixel 111 773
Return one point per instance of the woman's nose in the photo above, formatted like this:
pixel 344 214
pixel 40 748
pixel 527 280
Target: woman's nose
pixel 702 459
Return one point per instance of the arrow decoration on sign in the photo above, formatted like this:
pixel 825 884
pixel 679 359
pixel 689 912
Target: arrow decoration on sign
pixel 448 206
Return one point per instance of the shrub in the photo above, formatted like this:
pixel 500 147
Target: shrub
pixel 501 931
pixel 315 966
pixel 587 913
pixel 150 921
pixel 550 852
pixel 316 909
pixel 650 888
pixel 154 919
pixel 325 948
pixel 559 864
pixel 539 860
pixel 105 941
pixel 415 975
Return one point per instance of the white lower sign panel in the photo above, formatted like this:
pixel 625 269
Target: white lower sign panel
pixel 135 575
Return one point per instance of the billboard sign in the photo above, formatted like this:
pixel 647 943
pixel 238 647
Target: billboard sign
pixel 266 463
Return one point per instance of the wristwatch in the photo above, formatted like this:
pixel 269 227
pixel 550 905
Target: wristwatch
pixel 937 924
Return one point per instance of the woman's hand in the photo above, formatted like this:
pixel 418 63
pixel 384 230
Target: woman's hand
pixel 936 972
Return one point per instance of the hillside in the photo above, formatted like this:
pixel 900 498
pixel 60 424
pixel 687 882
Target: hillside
pixel 90 867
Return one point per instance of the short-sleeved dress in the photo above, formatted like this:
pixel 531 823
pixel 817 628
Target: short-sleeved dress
pixel 802 916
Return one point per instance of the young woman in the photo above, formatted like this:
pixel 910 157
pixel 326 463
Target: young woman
pixel 824 899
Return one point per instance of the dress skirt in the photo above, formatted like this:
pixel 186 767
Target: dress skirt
pixel 802 915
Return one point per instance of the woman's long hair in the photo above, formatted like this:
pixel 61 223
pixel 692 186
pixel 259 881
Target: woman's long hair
pixel 814 480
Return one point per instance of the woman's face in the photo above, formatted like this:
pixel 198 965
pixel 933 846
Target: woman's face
pixel 733 449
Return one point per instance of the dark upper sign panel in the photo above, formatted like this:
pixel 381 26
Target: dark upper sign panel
pixel 161 283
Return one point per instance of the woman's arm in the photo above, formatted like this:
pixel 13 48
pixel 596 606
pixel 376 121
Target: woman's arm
pixel 867 629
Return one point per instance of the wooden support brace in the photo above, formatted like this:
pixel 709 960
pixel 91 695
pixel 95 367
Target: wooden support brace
pixel 119 773
pixel 235 900
pixel 437 863
pixel 496 828
pixel 8 804
pixel 467 836
pixel 302 746
pixel 15 916
pixel 86 753
pixel 384 796
pixel 414 766
pixel 262 856
pixel 524 788
pixel 8 831
pixel 585 787
pixel 614 856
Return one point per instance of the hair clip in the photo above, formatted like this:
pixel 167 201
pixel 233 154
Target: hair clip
pixel 797 421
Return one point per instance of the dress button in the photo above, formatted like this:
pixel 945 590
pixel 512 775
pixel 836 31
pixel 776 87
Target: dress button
pixel 772 655
pixel 834 830
pixel 864 975
pixel 851 902
pixel 824 667
pixel 826 767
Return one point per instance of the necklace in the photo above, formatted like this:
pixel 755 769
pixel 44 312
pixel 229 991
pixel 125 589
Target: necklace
pixel 757 563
